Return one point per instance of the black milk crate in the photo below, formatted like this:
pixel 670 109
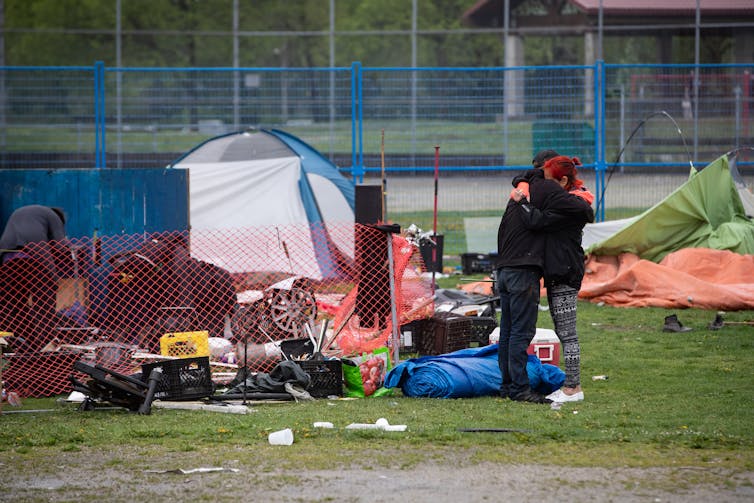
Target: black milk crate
pixel 326 377
pixel 182 379
pixel 296 348
pixel 410 334
pixel 445 333
pixel 481 328
pixel 476 262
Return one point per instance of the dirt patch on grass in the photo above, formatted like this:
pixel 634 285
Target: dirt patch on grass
pixel 122 476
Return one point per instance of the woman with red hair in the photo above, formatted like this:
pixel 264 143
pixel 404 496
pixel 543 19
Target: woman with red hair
pixel 563 224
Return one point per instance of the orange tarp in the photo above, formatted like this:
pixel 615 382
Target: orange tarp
pixel 690 277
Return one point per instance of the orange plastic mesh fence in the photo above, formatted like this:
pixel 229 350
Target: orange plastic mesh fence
pixel 247 296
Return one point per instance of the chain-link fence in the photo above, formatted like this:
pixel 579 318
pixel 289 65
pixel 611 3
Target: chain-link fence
pixel 625 122
pixel 245 297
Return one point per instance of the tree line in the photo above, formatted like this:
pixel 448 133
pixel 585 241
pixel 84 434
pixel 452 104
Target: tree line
pixel 275 33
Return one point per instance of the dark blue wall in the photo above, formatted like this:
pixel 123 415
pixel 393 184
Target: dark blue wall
pixel 108 201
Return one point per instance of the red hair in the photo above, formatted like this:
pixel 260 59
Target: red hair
pixel 561 166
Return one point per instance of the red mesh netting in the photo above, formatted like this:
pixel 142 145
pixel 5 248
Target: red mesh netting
pixel 364 321
pixel 239 295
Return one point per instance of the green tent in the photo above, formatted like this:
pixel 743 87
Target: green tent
pixel 705 212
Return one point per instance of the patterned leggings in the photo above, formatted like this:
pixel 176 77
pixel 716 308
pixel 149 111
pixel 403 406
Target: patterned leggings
pixel 562 301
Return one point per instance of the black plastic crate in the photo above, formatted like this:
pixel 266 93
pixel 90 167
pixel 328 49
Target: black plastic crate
pixel 481 328
pixel 294 349
pixel 326 377
pixel 476 262
pixel 445 333
pixel 182 379
pixel 410 334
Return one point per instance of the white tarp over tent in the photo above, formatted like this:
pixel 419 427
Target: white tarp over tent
pixel 269 179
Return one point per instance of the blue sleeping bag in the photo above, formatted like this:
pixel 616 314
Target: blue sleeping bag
pixel 466 373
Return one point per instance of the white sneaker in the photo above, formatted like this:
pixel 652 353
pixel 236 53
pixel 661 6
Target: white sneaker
pixel 560 397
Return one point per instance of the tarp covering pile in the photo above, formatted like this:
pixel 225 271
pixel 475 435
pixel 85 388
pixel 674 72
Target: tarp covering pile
pixel 705 212
pixel 466 373
pixel 692 277
pixel 693 249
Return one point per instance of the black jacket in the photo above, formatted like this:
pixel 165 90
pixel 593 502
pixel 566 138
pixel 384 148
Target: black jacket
pixel 520 239
pixel 561 217
pixel 517 244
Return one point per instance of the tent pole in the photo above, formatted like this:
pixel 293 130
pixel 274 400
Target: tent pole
pixel 384 184
pixel 434 217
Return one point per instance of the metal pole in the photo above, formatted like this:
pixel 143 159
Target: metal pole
pixel 236 73
pixel 434 215
pixel 599 33
pixel 506 28
pixel 414 15
pixel 696 79
pixel 622 118
pixel 332 78
pixel 396 341
pixel 119 81
pixel 3 98
pixel 737 93
pixel 384 182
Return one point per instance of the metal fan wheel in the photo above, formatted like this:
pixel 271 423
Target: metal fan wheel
pixel 290 310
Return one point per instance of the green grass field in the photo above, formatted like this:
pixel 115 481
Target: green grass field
pixel 670 400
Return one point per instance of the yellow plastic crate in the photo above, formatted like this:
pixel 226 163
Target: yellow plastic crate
pixel 185 344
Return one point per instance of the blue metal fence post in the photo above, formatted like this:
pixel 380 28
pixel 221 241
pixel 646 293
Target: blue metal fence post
pixel 99 115
pixel 357 155
pixel 600 95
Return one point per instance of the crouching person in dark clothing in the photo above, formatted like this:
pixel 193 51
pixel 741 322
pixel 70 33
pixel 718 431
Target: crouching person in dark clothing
pixel 28 274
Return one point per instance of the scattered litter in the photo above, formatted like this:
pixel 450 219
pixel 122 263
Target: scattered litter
pixel 323 424
pixel 380 424
pixel 575 412
pixel 11 397
pixel 184 471
pixel 76 397
pixel 599 378
pixel 281 437
pixel 228 409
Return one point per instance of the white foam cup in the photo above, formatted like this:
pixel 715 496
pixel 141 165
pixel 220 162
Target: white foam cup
pixel 282 437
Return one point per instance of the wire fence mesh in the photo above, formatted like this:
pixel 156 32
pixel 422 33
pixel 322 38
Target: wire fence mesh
pixel 644 123
pixel 247 298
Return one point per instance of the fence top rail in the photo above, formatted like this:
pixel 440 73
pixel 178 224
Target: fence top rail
pixel 333 68
pixel 473 68
pixel 679 65
pixel 226 69
pixel 46 68
pixel 377 68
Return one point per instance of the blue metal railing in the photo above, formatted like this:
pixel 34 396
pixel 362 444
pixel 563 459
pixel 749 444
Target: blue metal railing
pixel 487 120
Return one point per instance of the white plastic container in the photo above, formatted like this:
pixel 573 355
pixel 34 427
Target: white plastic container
pixel 281 437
